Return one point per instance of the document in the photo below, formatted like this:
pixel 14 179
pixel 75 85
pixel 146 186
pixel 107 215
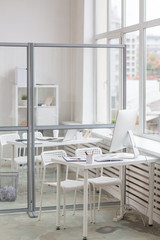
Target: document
pixel 74 159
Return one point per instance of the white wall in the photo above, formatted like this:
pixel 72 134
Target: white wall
pixel 46 21
pixel 82 32
pixel 35 21
pixel 49 21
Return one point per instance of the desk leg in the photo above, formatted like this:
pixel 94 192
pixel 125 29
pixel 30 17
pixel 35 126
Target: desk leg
pixel 58 197
pixel 85 205
pixel 122 189
pixel 151 193
pixel 13 156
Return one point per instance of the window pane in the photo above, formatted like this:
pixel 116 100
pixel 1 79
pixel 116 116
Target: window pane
pixel 115 15
pixel 132 42
pixel 132 12
pixel 152 119
pixel 152 9
pixel 101 16
pixel 114 79
pixel 102 83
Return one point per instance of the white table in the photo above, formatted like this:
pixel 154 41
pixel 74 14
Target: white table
pixel 45 144
pixel 85 167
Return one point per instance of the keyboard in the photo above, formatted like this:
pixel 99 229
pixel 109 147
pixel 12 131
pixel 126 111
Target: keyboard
pixel 107 158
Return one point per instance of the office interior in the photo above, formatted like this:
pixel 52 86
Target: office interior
pixel 71 65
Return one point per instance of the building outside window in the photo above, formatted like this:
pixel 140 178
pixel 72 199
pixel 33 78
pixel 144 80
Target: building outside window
pixel 136 24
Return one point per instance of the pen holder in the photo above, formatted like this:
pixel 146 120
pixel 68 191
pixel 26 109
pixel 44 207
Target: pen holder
pixel 89 159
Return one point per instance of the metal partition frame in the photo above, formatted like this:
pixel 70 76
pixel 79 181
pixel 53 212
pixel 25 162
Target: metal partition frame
pixel 31 128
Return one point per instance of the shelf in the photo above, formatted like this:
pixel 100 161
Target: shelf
pixel 44 115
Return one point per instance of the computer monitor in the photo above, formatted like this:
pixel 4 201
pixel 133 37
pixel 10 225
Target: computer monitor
pixel 123 131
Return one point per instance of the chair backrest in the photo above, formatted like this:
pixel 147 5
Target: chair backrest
pixel 37 134
pixel 8 137
pixel 81 152
pixel 48 155
pixel 5 153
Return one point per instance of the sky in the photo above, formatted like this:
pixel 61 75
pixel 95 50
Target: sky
pixel 132 10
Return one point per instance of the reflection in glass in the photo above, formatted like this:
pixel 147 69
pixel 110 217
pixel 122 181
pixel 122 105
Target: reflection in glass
pixel 152 118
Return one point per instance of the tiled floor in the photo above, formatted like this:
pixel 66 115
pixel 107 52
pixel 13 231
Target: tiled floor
pixel 21 227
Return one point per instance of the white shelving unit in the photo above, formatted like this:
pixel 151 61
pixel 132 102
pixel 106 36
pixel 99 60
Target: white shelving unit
pixel 44 114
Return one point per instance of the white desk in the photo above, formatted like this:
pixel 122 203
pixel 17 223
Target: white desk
pixel 85 167
pixel 45 144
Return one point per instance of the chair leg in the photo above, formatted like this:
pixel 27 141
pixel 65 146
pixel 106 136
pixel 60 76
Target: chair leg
pixel 120 216
pixel 94 205
pixel 74 205
pixel 121 201
pixel 99 198
pixel 40 209
pixel 64 205
pixel 90 203
pixel 37 173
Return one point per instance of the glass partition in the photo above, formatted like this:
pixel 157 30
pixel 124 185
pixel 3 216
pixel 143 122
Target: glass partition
pixel 41 109
pixel 71 88
pixel 13 171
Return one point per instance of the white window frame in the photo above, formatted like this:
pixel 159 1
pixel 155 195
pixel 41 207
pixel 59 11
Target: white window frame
pixel 119 33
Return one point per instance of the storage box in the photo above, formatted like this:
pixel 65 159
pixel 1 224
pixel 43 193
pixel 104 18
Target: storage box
pixel 21 77
pixel 8 186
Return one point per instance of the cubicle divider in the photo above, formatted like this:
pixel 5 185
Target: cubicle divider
pixel 60 84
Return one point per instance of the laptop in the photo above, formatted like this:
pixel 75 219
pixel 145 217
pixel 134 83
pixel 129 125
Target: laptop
pixel 70 135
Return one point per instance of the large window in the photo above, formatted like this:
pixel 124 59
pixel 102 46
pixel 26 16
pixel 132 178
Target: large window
pixel 136 24
pixel 115 14
pixel 132 42
pixel 152 116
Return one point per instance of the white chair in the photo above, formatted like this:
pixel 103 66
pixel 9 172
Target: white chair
pixel 100 181
pixel 66 185
pixel 19 161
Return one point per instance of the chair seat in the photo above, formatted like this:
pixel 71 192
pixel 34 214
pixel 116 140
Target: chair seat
pixel 21 160
pixel 100 181
pixel 68 185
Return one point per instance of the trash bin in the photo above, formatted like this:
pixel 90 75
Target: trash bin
pixel 8 186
